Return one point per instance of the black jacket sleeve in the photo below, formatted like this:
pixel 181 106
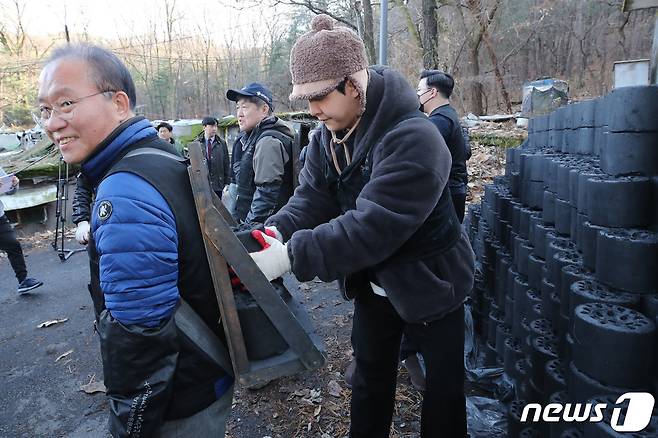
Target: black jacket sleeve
pixel 82 201
pixel 226 164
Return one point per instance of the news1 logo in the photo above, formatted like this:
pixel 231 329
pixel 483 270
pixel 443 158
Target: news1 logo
pixel 636 411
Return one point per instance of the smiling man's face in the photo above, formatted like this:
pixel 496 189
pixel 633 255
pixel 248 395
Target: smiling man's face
pixel 77 134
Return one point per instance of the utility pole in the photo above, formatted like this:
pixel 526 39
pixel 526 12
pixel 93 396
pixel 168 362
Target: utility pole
pixel 383 32
pixel 653 67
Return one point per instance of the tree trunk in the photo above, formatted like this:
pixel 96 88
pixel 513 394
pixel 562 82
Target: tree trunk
pixel 497 72
pixel 411 25
pixel 430 35
pixel 475 98
pixel 369 32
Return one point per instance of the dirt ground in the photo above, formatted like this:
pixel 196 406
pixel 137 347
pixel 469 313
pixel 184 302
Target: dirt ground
pixel 316 404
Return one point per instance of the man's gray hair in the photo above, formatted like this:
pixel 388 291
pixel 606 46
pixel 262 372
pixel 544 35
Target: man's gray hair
pixel 258 102
pixel 107 70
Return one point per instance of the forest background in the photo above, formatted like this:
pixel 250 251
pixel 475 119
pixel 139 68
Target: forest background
pixel 491 47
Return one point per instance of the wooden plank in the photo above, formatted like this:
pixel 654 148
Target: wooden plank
pixel 223 245
pixel 202 198
pixel 218 232
pixel 296 165
pixel 262 291
pixel 634 5
pixel 223 211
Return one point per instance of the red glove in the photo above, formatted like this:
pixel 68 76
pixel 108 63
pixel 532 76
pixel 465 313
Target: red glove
pixel 258 235
pixel 235 280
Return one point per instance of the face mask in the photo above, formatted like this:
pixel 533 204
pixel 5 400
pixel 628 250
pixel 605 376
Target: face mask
pixel 421 107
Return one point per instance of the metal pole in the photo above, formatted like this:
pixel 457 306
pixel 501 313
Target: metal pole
pixel 383 32
pixel 653 66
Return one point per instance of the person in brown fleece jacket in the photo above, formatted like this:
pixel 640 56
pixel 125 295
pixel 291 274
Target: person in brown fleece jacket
pixel 373 212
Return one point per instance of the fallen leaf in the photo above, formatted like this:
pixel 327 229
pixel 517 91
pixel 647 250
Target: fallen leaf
pixel 63 355
pixel 300 393
pixel 334 388
pixel 52 322
pixel 93 387
pixel 304 286
pixel 317 411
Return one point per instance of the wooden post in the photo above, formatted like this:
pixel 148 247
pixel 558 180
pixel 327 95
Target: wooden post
pixel 198 172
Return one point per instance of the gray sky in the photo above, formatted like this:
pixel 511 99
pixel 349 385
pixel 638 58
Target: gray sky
pixel 112 18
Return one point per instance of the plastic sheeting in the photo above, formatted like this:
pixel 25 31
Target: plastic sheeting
pixel 486 413
pixel 542 96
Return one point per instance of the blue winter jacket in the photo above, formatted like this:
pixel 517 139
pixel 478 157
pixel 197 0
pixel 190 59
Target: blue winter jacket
pixel 135 234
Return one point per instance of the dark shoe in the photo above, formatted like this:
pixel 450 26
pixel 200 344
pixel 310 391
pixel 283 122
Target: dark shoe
pixel 349 373
pixel 412 364
pixel 28 284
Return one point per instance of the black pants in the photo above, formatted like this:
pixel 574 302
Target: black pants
pixel 376 332
pixel 10 245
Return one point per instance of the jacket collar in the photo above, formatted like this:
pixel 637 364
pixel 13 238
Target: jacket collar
pixel 112 147
pixel 436 110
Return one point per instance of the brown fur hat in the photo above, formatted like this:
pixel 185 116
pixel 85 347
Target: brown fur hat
pixel 323 57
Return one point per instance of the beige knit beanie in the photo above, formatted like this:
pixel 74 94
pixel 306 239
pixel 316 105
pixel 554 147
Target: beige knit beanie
pixel 323 57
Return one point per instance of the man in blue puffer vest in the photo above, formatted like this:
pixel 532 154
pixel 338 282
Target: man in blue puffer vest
pixel 145 229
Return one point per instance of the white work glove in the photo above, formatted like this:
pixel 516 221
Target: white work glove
pixel 82 233
pixel 273 260
pixel 276 232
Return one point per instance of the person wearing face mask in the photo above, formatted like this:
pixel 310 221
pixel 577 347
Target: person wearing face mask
pixel 434 91
pixel 373 211
pixel 261 159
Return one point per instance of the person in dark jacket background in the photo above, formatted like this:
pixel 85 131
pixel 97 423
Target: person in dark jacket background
pixel 166 132
pixel 434 91
pixel 261 158
pixel 145 229
pixel 373 211
pixel 216 153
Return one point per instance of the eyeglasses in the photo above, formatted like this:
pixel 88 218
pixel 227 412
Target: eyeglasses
pixel 64 109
